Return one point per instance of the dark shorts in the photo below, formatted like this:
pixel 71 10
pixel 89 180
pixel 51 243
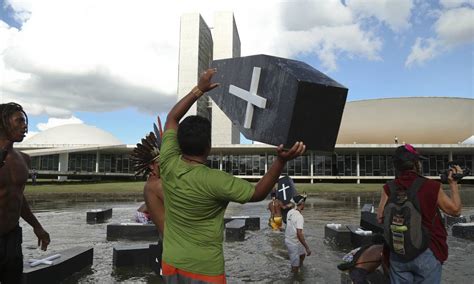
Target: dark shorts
pixel 11 257
pixel 359 275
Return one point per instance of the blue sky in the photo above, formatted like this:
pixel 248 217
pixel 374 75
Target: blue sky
pixel 114 65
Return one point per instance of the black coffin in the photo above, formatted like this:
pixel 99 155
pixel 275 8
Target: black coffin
pixel 98 215
pixel 132 231
pixel 235 230
pixel 291 101
pixel 339 235
pixel 368 219
pixel 71 261
pixel 286 189
pixel 463 230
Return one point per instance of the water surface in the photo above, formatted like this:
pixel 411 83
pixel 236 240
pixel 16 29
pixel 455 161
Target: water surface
pixel 262 257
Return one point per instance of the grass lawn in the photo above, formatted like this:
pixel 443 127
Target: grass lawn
pixel 137 188
pixel 84 188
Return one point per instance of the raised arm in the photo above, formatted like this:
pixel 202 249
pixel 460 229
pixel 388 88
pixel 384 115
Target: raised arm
pixel 451 205
pixel 266 183
pixel 180 109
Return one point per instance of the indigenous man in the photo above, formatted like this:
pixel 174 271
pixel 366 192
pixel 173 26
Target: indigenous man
pixel 197 196
pixel 275 206
pixel 146 161
pixel 14 167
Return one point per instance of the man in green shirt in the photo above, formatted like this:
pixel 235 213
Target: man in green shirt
pixel 196 196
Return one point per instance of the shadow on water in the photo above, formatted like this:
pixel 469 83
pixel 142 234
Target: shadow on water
pixel 262 257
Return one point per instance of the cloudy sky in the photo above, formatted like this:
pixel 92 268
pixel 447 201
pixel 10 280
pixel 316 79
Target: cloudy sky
pixel 113 63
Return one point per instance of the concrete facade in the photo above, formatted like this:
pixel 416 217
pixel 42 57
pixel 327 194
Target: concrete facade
pixel 195 56
pixel 198 47
pixel 226 45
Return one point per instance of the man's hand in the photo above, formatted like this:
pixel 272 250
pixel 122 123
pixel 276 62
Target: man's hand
pixel 295 151
pixel 43 237
pixel 454 170
pixel 308 252
pixel 379 219
pixel 204 84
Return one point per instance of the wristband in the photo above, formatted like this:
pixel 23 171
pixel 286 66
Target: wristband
pixel 197 92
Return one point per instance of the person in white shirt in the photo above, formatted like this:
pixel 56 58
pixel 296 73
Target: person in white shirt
pixel 294 237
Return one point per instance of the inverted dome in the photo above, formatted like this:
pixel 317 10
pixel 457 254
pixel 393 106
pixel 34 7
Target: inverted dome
pixel 415 120
pixel 73 134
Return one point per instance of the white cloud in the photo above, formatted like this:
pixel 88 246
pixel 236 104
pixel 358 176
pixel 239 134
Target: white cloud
pixel 421 51
pixel 22 7
pixel 456 26
pixel 304 15
pixel 394 13
pixel 455 3
pixel 88 55
pixel 453 27
pixel 53 122
pixel 326 29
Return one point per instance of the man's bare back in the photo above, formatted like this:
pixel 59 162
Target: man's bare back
pixel 275 206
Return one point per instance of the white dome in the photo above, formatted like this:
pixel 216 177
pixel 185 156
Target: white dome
pixel 72 134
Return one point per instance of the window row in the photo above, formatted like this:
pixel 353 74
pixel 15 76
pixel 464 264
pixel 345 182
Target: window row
pixel 257 165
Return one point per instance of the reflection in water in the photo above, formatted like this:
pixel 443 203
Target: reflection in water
pixel 262 257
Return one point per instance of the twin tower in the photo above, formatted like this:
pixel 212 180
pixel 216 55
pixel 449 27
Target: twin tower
pixel 199 46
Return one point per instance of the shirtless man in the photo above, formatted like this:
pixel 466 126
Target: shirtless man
pixel 146 158
pixel 370 259
pixel 366 260
pixel 14 167
pixel 275 206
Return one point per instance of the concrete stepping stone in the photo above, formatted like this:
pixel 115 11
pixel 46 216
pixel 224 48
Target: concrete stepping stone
pixel 235 230
pixel 98 215
pixel 132 231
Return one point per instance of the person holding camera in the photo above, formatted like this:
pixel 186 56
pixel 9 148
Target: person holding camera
pixel 413 229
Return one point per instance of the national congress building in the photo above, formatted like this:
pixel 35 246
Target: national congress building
pixel 441 128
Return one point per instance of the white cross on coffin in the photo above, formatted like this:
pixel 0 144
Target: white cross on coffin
pixel 284 191
pixel 250 96
pixel 47 260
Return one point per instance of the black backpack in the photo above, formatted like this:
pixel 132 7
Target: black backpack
pixel 403 229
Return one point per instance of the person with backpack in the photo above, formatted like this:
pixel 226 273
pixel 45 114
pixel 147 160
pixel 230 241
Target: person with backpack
pixel 413 228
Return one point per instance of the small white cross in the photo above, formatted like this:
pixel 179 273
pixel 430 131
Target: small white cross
pixel 47 260
pixel 250 96
pixel 284 191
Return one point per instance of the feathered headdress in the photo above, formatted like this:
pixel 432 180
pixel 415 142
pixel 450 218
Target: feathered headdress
pixel 148 151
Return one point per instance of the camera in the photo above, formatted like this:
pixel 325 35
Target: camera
pixel 456 176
